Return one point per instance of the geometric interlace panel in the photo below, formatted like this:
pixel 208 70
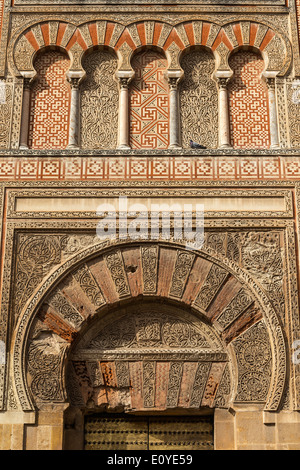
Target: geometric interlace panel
pixel 50 102
pixel 249 108
pixel 149 102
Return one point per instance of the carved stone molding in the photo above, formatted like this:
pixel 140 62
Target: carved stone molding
pixel 284 194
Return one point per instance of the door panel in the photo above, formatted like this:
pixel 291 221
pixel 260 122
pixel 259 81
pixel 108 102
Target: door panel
pixel 116 433
pixel 180 433
pixel 148 433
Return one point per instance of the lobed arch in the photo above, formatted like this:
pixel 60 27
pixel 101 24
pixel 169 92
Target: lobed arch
pixel 221 298
pixel 125 40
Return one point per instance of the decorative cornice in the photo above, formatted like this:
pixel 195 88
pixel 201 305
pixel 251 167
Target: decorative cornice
pixel 151 153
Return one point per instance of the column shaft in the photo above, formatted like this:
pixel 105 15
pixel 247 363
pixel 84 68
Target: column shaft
pixel 274 134
pixel 124 114
pixel 73 141
pixel 24 133
pixel 224 123
pixel 174 140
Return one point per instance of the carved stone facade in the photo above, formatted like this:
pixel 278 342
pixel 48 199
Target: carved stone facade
pixel 99 101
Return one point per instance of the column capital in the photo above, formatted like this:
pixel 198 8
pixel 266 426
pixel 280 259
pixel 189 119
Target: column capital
pixel 74 82
pixel 124 82
pixel 124 77
pixel 173 82
pixel 223 82
pixel 75 79
pixel 270 81
pixel 28 78
pixel 27 83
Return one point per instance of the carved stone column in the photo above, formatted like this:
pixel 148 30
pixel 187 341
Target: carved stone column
pixel 124 114
pixel 224 122
pixel 25 114
pixel 74 79
pixel 174 139
pixel 275 143
pixel 123 133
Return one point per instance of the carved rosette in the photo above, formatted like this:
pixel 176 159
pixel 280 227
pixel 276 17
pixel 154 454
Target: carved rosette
pixel 254 357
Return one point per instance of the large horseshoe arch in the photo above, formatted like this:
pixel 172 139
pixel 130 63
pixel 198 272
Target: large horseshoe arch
pixel 116 321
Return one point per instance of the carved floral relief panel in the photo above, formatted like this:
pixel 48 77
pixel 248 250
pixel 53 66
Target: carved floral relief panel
pixel 6 101
pixel 99 102
pixel 1 14
pixel 199 100
pixel 293 106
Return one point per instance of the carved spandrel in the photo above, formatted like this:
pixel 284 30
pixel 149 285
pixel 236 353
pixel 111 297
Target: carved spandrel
pixel 36 255
pixel 254 357
pixel 259 252
pixel 262 257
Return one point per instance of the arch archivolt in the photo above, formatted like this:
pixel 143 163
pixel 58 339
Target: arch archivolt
pixel 118 320
pixel 173 40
